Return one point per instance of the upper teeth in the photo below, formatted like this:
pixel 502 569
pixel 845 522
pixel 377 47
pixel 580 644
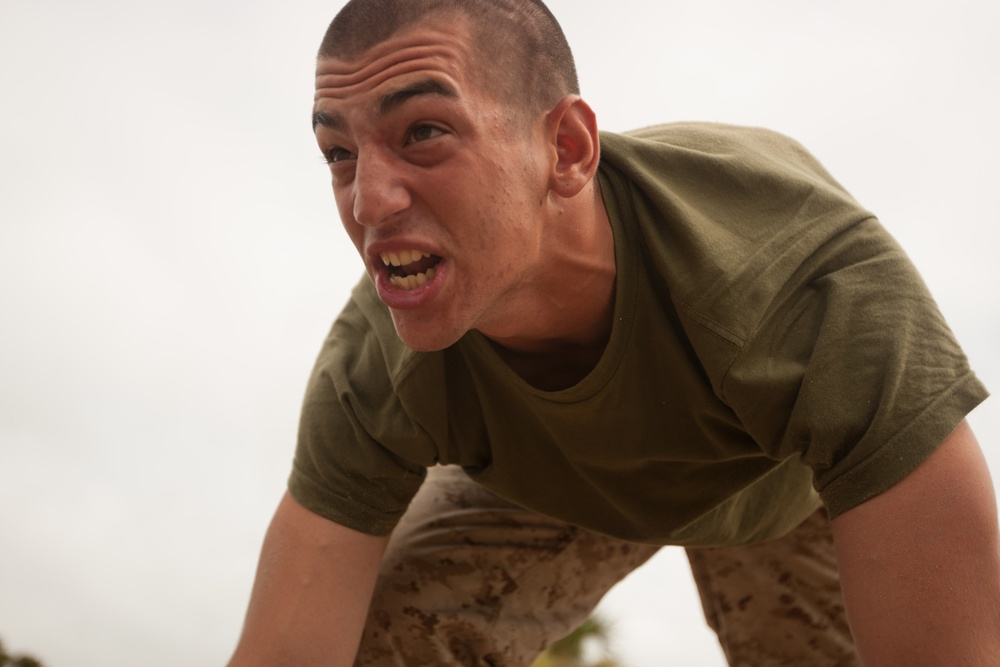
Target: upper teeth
pixel 402 258
pixel 405 258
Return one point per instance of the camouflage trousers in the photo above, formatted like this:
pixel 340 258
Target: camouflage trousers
pixel 471 579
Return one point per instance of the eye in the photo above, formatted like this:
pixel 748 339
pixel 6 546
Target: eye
pixel 423 133
pixel 337 154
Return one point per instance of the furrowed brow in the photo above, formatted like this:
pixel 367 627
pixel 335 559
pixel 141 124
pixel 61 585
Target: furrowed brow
pixel 397 98
pixel 333 121
pixel 388 102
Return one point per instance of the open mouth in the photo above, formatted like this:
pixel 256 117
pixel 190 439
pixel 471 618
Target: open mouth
pixel 410 268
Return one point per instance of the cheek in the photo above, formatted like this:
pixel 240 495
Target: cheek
pixel 506 188
pixel 522 180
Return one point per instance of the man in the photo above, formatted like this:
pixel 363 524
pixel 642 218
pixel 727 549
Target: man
pixel 678 336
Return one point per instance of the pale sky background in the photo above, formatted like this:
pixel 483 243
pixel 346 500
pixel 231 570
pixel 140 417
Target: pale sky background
pixel 171 258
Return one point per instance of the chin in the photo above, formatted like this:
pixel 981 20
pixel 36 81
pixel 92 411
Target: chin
pixel 423 337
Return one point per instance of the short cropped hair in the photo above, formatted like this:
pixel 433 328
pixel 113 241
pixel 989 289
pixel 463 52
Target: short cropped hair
pixel 522 51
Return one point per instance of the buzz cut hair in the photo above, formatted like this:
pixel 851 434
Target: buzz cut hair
pixel 522 53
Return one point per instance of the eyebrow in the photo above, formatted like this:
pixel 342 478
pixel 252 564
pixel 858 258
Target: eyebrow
pixel 395 99
pixel 389 102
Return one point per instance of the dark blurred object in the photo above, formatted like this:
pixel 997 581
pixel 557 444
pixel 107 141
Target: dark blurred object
pixel 7 660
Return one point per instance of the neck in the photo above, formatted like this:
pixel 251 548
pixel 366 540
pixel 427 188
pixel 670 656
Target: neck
pixel 564 323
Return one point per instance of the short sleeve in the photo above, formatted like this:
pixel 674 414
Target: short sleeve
pixel 854 367
pixel 351 461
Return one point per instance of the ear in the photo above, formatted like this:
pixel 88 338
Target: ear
pixel 572 131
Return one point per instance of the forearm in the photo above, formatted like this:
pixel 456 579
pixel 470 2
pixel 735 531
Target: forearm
pixel 311 594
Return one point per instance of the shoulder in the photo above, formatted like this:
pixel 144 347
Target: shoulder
pixel 727 215
pixel 711 151
pixel 704 136
pixel 703 133
pixel 365 371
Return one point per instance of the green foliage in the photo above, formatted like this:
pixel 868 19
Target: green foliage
pixel 7 660
pixel 569 651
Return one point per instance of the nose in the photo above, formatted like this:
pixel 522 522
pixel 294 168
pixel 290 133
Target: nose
pixel 379 192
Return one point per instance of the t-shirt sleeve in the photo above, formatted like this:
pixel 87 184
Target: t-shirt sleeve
pixel 854 367
pixel 347 464
pixel 808 320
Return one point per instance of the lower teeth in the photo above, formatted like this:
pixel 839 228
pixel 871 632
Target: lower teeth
pixel 411 282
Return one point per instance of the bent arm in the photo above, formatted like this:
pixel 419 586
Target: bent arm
pixel 920 564
pixel 311 595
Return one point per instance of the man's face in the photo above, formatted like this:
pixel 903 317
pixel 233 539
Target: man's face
pixel 439 189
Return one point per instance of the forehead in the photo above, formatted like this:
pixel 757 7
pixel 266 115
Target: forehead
pixel 439 50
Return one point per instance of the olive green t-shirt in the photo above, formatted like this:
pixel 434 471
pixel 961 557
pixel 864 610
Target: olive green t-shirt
pixel 772 349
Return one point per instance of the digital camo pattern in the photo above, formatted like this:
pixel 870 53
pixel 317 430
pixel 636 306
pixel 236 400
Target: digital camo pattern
pixel 777 603
pixel 470 579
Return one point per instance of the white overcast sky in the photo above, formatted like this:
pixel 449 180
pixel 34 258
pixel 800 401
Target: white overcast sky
pixel 170 260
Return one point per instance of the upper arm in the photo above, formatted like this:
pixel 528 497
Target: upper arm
pixel 920 566
pixel 311 594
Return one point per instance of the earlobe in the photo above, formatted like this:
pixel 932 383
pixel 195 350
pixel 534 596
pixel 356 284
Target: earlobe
pixel 577 151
